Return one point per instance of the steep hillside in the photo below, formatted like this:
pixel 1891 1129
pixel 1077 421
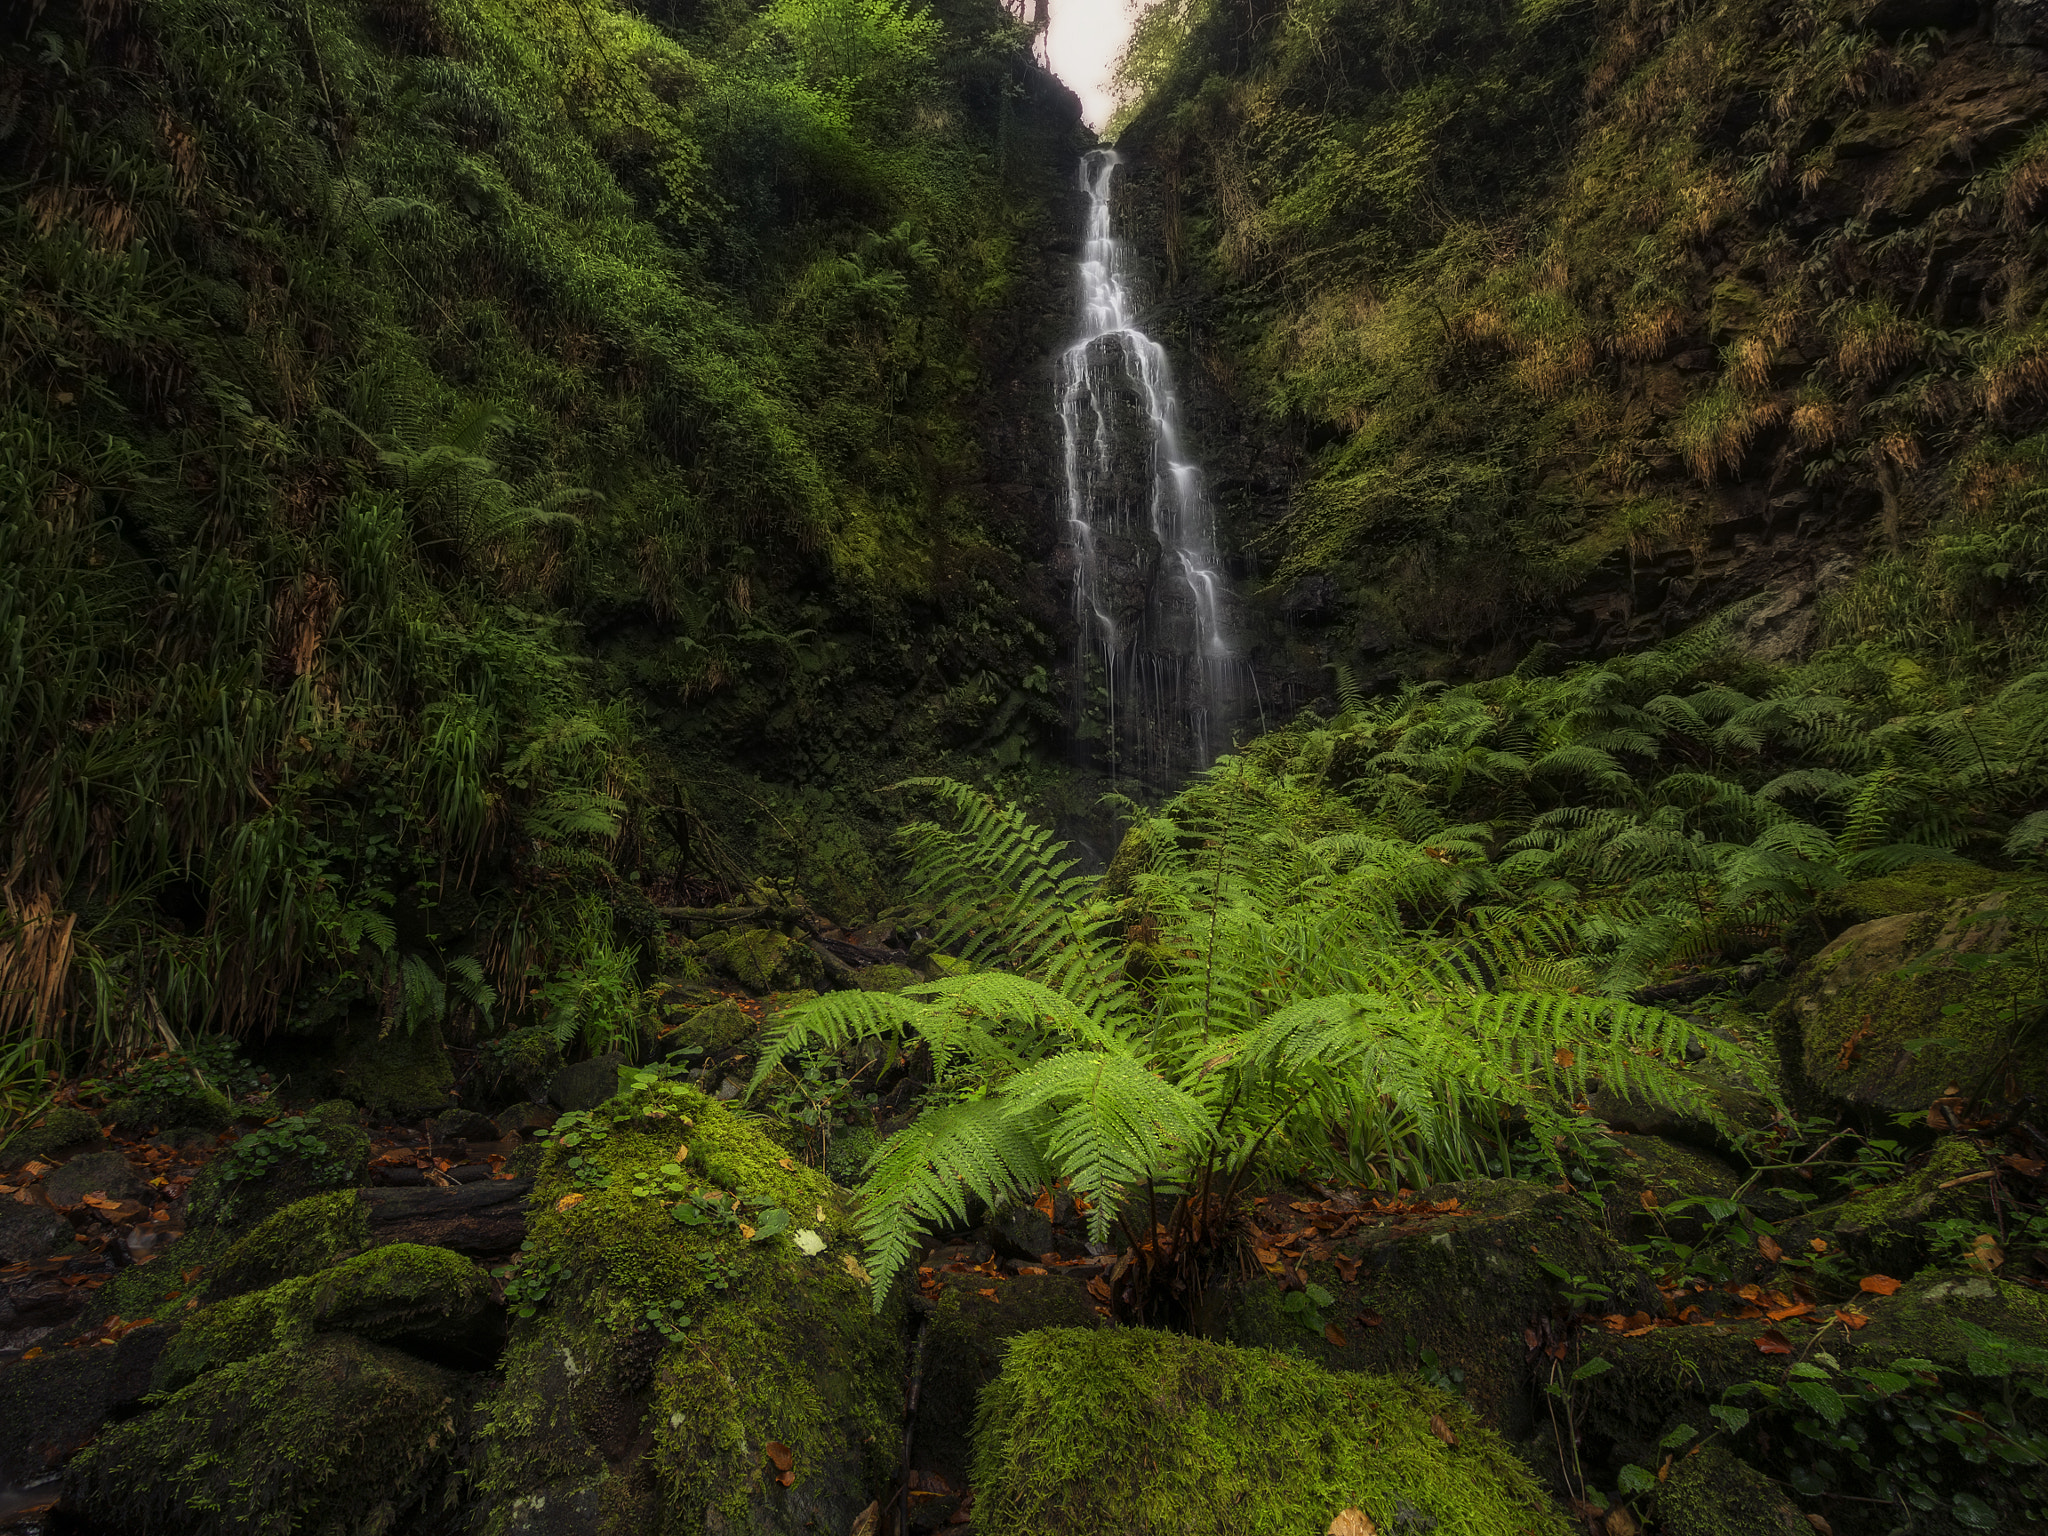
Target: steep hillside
pixel 1527 322
pixel 458 458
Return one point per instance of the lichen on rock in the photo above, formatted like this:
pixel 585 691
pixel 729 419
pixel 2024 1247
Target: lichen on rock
pixel 1158 1434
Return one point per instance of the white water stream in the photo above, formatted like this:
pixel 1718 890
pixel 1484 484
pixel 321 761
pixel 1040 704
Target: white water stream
pixel 1149 593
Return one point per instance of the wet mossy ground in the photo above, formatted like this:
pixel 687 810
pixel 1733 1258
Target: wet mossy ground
pixel 1156 1434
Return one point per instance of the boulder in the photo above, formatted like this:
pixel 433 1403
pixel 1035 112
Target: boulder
pixel 1650 1174
pixel 1450 1281
pixel 1730 1097
pixel 30 1229
pixel 170 1103
pixel 465 1125
pixel 95 1173
pixel 405 1075
pixel 1897 1010
pixel 339 1435
pixel 2020 23
pixel 51 1406
pixel 1716 1494
pixel 764 961
pixel 587 1084
pixel 1887 1228
pixel 885 978
pixel 280 1164
pixel 304 1237
pixel 970 1327
pixel 53 1134
pixel 1159 1434
pixel 658 1350
pixel 525 1119
pixel 426 1301
pixel 719 1027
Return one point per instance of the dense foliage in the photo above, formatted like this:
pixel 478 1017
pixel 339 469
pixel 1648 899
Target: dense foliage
pixel 449 446
pixel 1558 300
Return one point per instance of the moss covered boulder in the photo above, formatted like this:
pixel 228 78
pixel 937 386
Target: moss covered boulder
pixel 690 1296
pixel 1886 1228
pixel 170 1103
pixel 304 1237
pixel 339 1436
pixel 719 1027
pixel 763 960
pixel 428 1301
pixel 971 1326
pixel 279 1164
pixel 1650 1174
pixel 54 1133
pixel 1156 1434
pixel 1897 1010
pixel 1460 1273
pixel 1717 1494
pixel 402 1075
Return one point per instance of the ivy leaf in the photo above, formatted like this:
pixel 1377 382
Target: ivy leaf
pixel 1974 1512
pixel 1676 1436
pixel 1821 1398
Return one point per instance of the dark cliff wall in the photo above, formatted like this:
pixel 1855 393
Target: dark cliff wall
pixel 1509 324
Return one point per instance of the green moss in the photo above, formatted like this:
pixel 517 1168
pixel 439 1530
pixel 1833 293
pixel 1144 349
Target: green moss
pixel 401 1293
pixel 340 1436
pixel 277 1166
pixel 764 961
pixel 846 1158
pixel 1714 1494
pixel 1916 888
pixel 62 1129
pixel 885 978
pixel 779 1345
pixel 169 1104
pixel 1462 1286
pixel 402 1074
pixel 716 1028
pixel 1141 1433
pixel 1896 1010
pixel 305 1236
pixel 1665 1171
pixel 1883 1229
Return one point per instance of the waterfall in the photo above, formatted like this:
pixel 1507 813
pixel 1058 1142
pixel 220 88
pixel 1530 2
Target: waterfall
pixel 1158 679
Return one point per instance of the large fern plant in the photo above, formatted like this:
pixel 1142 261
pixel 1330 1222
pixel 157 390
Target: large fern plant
pixel 1257 993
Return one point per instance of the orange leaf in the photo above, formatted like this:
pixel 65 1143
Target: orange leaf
pixel 1817 1244
pixel 1786 1313
pixel 1352 1522
pixel 785 1164
pixel 783 1457
pixel 990 1292
pixel 1563 1058
pixel 1370 1319
pixel 1648 1199
pixel 1878 1285
pixel 1773 1343
pixel 1441 1430
pixel 1766 1246
pixel 1334 1334
pixel 2032 1167
pixel 683 1152
pixel 1851 1320
pixel 568 1200
pixel 786 1478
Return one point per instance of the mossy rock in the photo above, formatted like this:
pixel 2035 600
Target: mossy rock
pixel 428 1301
pixel 764 961
pixel 847 1154
pixel 1856 1029
pixel 1914 889
pixel 53 1404
pixel 1464 1284
pixel 971 1325
pixel 1729 1099
pixel 342 1437
pixel 1717 1494
pixel 885 978
pixel 525 1057
pixel 280 1165
pixel 719 1027
pixel 611 1426
pixel 53 1133
pixel 1159 1434
pixel 1664 1172
pixel 304 1237
pixel 404 1075
pixel 1884 1229
pixel 171 1104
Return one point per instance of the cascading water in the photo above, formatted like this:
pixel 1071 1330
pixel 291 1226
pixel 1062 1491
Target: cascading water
pixel 1149 597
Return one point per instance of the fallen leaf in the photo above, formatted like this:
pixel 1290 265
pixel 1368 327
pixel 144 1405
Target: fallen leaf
pixel 868 1522
pixel 1664 1471
pixel 988 1291
pixel 1878 1285
pixel 1334 1334
pixel 1787 1313
pixel 854 1268
pixel 568 1200
pixel 1985 1255
pixel 1820 1524
pixel 1851 1320
pixel 1370 1319
pixel 1817 1244
pixel 1620 1522
pixel 809 1243
pixel 2032 1167
pixel 1647 1199
pixel 786 1478
pixel 1563 1057
pixel 1352 1522
pixel 1768 1247
pixel 683 1152
pixel 1441 1430
pixel 746 1231
pixel 785 1164
pixel 783 1457
pixel 1773 1343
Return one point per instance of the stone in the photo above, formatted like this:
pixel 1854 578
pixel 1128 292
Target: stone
pixel 1732 1097
pixel 719 1027
pixel 763 960
pixel 278 1165
pixel 29 1230
pixel 2020 23
pixel 1021 1232
pixel 1884 1229
pixel 587 1084
pixel 107 1173
pixel 339 1435
pixel 53 1134
pixel 1717 1494
pixel 659 1424
pixel 965 1338
pixel 1132 1431
pixel 404 1076
pixel 885 978
pixel 1897 1010
pixel 525 1119
pixel 1666 1171
pixel 465 1125
pixel 51 1406
pixel 1463 1283
pixel 304 1237
pixel 169 1105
